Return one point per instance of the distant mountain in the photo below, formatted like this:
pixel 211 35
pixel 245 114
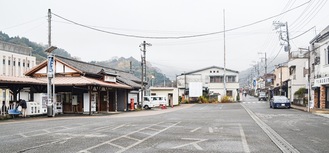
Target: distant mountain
pixel 133 65
pixel 246 76
pixel 118 63
pixel 37 49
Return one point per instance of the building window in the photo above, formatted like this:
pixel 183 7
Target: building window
pixel 231 79
pixel 210 71
pixel 217 71
pixel 23 63
pixel 19 62
pixel 4 60
pixel 28 63
pixel 216 79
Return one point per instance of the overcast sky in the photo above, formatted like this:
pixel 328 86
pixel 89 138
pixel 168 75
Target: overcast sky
pixel 167 18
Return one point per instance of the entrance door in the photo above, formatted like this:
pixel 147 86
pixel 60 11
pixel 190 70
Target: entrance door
pixel 318 93
pixel 327 98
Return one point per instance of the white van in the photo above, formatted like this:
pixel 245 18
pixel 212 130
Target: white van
pixel 148 104
pixel 157 100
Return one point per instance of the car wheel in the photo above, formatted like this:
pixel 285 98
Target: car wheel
pixel 146 107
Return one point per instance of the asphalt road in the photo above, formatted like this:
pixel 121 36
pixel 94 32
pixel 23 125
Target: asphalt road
pixel 249 126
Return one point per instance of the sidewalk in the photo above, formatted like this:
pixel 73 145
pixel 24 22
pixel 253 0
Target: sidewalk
pixel 320 112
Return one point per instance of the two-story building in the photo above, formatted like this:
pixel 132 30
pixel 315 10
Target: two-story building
pixel 281 79
pixel 212 80
pixel 319 60
pixel 15 61
pixel 298 74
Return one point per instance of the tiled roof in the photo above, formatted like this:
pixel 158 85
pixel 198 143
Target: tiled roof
pixel 62 81
pixel 82 81
pixel 20 80
pixel 123 76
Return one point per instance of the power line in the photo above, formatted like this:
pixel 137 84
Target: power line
pixel 27 22
pixel 179 37
pixel 302 33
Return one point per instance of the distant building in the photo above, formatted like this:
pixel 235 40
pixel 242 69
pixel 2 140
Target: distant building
pixel 212 79
pixel 15 60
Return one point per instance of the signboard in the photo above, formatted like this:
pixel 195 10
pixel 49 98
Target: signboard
pixel 321 81
pixel 195 89
pixel 188 78
pixel 50 66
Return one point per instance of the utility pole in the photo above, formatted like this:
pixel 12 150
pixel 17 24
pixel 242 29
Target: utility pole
pixel 51 106
pixel 265 66
pixel 143 64
pixel 224 54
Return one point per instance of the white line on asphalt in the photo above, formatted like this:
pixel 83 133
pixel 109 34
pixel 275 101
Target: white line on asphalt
pixel 202 107
pixel 195 129
pixel 284 146
pixel 211 130
pixel 138 142
pixel 195 143
pixel 118 127
pixel 244 140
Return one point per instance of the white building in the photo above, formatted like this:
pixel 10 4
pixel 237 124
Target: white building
pixel 319 48
pixel 212 79
pixel 298 73
pixel 15 60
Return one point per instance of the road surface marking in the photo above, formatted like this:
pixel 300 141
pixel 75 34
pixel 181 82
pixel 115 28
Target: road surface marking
pixel 123 149
pixel 195 143
pixel 118 127
pixel 282 144
pixel 195 129
pixel 244 140
pixel 211 130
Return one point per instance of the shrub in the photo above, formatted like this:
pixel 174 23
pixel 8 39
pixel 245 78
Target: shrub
pixel 203 99
pixel 226 99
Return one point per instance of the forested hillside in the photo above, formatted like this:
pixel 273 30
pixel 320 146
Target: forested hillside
pixel 118 63
pixel 37 49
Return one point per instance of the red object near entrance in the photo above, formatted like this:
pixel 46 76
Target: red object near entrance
pixel 132 104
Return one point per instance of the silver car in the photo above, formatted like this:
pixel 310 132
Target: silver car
pixel 280 102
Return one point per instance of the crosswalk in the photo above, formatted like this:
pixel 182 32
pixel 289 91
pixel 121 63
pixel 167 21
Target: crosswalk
pixel 255 102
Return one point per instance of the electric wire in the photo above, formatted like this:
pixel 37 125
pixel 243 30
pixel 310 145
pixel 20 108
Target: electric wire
pixel 302 33
pixel 180 37
pixel 24 23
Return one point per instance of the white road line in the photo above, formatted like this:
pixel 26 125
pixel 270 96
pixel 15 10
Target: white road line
pixel 195 129
pixel 284 146
pixel 115 145
pixel 138 142
pixel 244 140
pixel 195 143
pixel 211 130
pixel 202 107
pixel 118 127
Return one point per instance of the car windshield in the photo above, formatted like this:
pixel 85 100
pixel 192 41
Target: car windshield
pixel 280 99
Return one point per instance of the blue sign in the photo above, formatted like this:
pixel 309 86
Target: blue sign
pixel 254 83
pixel 50 64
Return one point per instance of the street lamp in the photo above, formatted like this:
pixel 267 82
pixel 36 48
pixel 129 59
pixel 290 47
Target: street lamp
pixel 50 85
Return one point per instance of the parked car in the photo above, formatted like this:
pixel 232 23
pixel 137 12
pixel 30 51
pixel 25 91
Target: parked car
pixel 148 104
pixel 280 102
pixel 262 96
pixel 155 101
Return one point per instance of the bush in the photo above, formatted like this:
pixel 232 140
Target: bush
pixel 226 99
pixel 203 99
